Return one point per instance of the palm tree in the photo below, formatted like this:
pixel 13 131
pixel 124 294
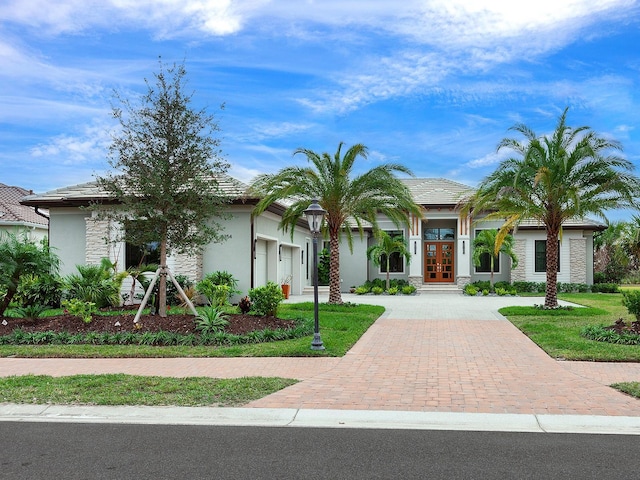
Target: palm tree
pixel 349 200
pixel 386 246
pixel 487 242
pixel 20 256
pixel 570 173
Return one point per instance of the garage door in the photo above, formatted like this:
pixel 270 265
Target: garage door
pixel 261 263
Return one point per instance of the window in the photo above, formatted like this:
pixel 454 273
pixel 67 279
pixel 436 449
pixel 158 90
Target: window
pixel 541 256
pixel 396 261
pixel 439 234
pixel 147 255
pixel 485 264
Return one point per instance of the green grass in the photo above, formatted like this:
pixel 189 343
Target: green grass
pixel 119 389
pixel 558 332
pixel 630 388
pixel 340 328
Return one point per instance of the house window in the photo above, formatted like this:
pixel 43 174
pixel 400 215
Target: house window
pixel 439 234
pixel 396 261
pixel 485 264
pixel 135 255
pixel 541 256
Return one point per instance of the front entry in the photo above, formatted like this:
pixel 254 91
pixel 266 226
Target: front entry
pixel 438 262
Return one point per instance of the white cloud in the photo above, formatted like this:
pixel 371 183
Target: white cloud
pixel 90 146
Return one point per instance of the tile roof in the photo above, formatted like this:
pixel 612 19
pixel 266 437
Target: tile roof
pixel 436 191
pixel 83 193
pixel 11 212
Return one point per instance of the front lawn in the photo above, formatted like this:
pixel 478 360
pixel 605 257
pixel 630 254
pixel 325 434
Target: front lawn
pixel 557 332
pixel 119 389
pixel 340 327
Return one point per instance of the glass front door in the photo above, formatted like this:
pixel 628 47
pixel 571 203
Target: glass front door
pixel 438 262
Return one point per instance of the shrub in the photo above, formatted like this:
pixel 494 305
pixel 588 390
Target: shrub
pixel 599 277
pixel 409 290
pixel 96 284
pixel 218 287
pixel 485 292
pixel 605 288
pixel 392 291
pixel 30 311
pixel 501 292
pixel 631 300
pixel 244 304
pixel 504 285
pixel 44 289
pixel 572 287
pixel 266 299
pixel 211 320
pixel 377 290
pixel 529 287
pixel 323 267
pixel 173 297
pixel 80 308
pixel 361 290
pixel 470 289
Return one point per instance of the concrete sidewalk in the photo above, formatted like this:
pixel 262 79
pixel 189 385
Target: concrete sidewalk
pixel 433 358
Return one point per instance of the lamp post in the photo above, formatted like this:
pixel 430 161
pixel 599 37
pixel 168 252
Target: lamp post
pixel 314 215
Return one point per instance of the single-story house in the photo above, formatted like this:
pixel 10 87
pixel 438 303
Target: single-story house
pixel 15 217
pixel 257 251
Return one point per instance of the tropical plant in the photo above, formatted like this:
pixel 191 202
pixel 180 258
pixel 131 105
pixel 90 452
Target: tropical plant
pixel 168 167
pixel 98 284
pixel 20 256
pixel 211 320
pixel 488 242
pixel 139 274
pixel 41 289
pixel 571 173
pixel 385 248
pixel 80 308
pixel 218 287
pixel 350 201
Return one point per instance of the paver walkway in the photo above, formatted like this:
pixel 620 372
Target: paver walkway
pixel 432 352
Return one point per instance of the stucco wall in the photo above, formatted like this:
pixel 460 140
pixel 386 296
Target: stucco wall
pixel 67 237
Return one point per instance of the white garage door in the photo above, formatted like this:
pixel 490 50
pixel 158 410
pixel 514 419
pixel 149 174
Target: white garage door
pixel 261 263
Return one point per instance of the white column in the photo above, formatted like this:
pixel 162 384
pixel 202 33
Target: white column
pixel 415 247
pixel 463 252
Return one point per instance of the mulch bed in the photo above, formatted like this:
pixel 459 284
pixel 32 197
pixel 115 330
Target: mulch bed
pixel 239 324
pixel 621 327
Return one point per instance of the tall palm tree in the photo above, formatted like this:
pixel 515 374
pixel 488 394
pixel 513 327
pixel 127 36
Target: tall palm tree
pixel 570 173
pixel 387 246
pixel 487 242
pixel 349 200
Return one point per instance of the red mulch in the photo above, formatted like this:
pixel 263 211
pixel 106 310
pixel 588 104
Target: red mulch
pixel 238 323
pixel 621 327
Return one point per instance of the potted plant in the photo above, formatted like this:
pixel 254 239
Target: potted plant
pixel 286 286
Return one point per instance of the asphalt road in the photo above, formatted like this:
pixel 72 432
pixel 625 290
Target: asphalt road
pixel 110 451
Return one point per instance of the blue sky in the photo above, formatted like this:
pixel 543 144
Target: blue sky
pixel 434 85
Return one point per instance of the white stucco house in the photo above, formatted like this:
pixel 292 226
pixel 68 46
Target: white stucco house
pixel 257 251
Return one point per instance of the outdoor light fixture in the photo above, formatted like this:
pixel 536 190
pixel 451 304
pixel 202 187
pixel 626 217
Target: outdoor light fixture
pixel 315 213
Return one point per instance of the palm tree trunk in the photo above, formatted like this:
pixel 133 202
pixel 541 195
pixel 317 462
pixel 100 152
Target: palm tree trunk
pixel 551 293
pixel 334 268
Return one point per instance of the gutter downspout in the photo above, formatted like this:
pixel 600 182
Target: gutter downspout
pixel 38 212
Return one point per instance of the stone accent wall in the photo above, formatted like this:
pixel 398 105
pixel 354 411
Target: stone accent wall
pixel 519 274
pixel 98 238
pixel 189 265
pixel 463 280
pixel 578 260
pixel 416 281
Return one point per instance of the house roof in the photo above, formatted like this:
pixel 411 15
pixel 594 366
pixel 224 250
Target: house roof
pixel 436 191
pixel 85 193
pixel 12 212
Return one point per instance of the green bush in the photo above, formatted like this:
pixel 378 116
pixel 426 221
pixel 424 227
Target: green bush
pixel 80 308
pixel 44 289
pixel 409 290
pixel 266 299
pixel 631 300
pixel 218 287
pixel 211 320
pixel 502 284
pixel 392 291
pixel 173 298
pixel 485 292
pixel 602 334
pixel 501 292
pixel 96 284
pixel 529 287
pixel 605 288
pixel 323 267
pixel 30 311
pixel 377 290
pixel 362 290
pixel 470 289
pixel 599 277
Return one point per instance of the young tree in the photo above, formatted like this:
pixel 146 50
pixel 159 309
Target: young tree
pixel 348 200
pixel 387 246
pixel 21 256
pixel 168 167
pixel 487 242
pixel 570 173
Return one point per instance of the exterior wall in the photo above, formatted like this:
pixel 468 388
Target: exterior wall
pixel 519 274
pixel 34 232
pixel 375 271
pixel 98 242
pixel 353 265
pixel 68 238
pixel 505 272
pixel 574 257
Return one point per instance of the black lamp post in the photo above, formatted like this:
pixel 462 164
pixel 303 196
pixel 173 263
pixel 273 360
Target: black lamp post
pixel 314 215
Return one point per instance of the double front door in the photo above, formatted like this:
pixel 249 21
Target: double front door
pixel 438 262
